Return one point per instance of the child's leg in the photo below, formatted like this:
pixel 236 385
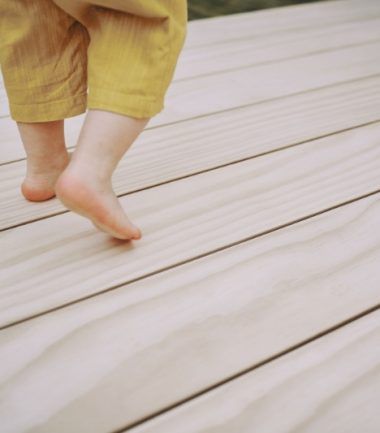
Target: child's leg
pixel 85 186
pixel 47 157
pixel 43 56
pixel 131 62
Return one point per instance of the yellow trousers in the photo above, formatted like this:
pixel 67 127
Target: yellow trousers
pixel 63 56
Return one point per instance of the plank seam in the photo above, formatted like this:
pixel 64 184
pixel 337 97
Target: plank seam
pixel 242 107
pixel 192 259
pixel 264 101
pixel 274 61
pixel 206 170
pixel 267 62
pixel 264 35
pixel 250 369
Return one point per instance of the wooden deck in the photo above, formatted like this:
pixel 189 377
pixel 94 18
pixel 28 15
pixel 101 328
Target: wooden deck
pixel 251 304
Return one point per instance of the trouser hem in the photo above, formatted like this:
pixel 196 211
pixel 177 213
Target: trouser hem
pixel 121 103
pixel 49 111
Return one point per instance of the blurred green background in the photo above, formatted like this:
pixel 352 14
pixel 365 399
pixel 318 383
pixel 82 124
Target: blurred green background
pixel 209 8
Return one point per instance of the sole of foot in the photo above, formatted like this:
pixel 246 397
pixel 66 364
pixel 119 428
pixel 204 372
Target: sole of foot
pixel 97 202
pixel 34 190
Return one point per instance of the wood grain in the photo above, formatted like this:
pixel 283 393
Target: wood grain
pixel 162 154
pixel 247 251
pixel 275 80
pixel 109 361
pixel 332 384
pixel 266 22
pixel 62 259
pixel 238 53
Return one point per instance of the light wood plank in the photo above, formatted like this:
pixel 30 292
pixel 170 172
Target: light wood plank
pixel 106 362
pixel 58 260
pixel 330 385
pixel 159 155
pixel 208 94
pixel 265 22
pixel 237 53
pixel 200 96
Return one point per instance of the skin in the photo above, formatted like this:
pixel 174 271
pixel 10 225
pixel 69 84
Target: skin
pixel 82 182
pixel 47 157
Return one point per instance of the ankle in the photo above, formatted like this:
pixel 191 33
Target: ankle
pixel 95 168
pixel 85 173
pixel 42 139
pixel 56 161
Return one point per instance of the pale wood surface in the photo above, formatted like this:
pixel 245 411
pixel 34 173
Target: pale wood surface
pixel 280 20
pixel 183 219
pixel 257 192
pixel 274 47
pixel 175 333
pixel 330 385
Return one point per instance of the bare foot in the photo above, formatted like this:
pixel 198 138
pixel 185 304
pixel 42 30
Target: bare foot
pixel 93 198
pixel 42 175
pixel 85 186
pixel 47 157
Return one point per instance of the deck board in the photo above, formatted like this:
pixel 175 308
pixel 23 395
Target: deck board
pixel 267 22
pixel 172 335
pixel 257 190
pixel 239 53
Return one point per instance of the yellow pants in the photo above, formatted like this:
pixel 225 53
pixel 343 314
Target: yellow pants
pixel 63 56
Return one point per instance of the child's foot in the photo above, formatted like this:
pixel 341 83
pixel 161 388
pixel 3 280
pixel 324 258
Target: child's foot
pixel 42 174
pixel 47 157
pixel 85 186
pixel 88 195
